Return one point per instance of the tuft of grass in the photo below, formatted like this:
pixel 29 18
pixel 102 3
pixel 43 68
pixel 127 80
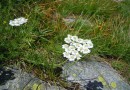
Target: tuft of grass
pixel 122 67
pixel 87 7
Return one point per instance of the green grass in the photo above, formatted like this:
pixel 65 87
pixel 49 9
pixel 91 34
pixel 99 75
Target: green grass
pixel 40 40
pixel 122 67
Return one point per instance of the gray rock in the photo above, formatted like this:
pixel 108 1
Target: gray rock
pixel 23 81
pixel 92 72
pixel 70 20
pixel 36 84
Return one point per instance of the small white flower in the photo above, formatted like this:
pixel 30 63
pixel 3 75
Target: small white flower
pixel 22 20
pixel 72 57
pixel 90 44
pixel 85 51
pixel 18 21
pixel 86 41
pixel 68 50
pixel 72 43
pixel 71 47
pixel 80 49
pixel 85 45
pixel 78 56
pixel 77 45
pixel 65 46
pixel 12 23
pixel 66 54
pixel 80 40
pixel 69 36
pixel 75 52
pixel 67 40
pixel 74 38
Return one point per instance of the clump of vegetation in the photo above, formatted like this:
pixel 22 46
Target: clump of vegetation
pixel 40 40
pixel 122 67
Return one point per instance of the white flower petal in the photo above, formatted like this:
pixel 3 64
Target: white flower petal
pixel 86 51
pixel 69 36
pixel 90 45
pixel 67 40
pixel 66 54
pixel 78 56
pixel 17 24
pixel 86 41
pixel 80 40
pixel 68 50
pixel 11 23
pixel 77 45
pixel 72 57
pixel 80 48
pixel 65 46
pixel 75 52
pixel 85 46
pixel 72 48
pixel 74 38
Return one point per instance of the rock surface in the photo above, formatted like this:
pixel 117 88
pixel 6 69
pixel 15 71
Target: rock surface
pixel 15 79
pixel 94 75
pixel 70 20
pixel 89 75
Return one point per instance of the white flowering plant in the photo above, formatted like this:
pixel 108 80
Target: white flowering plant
pixel 75 47
pixel 18 21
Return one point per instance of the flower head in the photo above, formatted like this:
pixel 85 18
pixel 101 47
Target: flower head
pixel 18 21
pixel 75 47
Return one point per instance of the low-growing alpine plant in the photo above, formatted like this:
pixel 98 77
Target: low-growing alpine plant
pixel 75 47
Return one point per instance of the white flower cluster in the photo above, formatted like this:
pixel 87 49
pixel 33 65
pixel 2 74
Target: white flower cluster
pixel 18 21
pixel 74 46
